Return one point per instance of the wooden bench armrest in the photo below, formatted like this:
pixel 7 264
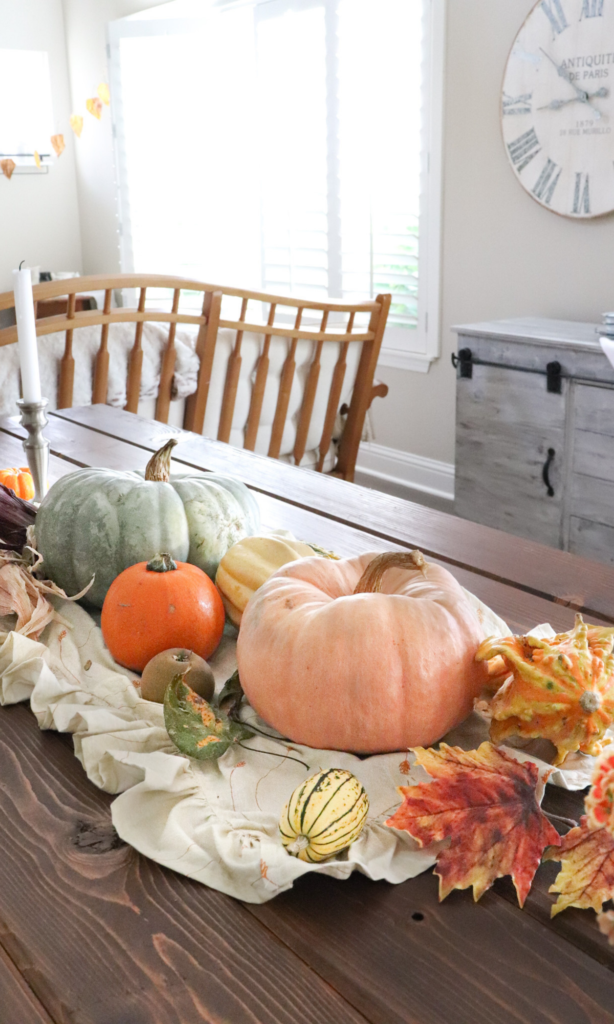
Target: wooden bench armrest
pixel 378 390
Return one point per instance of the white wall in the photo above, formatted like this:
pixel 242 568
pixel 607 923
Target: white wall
pixel 503 254
pixel 86 37
pixel 39 220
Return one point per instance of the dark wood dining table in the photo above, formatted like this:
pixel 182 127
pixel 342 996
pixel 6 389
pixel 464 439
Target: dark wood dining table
pixel 91 932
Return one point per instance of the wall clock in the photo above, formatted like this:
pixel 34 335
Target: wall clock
pixel 557 108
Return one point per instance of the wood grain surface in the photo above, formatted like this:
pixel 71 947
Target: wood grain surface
pixel 18 1004
pixel 93 933
pixel 520 610
pixel 400 956
pixel 105 936
pixel 559 576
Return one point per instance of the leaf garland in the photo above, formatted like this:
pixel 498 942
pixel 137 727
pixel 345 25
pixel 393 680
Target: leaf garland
pixel 7 166
pixel 76 123
pixel 57 141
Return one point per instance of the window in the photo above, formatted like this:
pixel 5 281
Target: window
pixel 26 117
pixel 284 145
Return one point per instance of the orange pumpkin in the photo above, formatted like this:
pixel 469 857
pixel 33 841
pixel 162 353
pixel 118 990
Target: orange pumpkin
pixel 160 604
pixel 367 654
pixel 19 480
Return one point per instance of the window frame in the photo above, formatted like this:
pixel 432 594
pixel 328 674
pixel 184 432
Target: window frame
pixel 421 345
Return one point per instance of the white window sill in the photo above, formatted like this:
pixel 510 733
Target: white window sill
pixel 403 360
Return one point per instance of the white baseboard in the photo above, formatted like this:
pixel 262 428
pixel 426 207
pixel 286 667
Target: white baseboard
pixel 392 470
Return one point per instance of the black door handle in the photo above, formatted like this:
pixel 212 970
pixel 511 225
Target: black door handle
pixel 546 472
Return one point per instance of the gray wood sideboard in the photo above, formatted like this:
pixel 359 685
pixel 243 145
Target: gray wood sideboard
pixel 535 448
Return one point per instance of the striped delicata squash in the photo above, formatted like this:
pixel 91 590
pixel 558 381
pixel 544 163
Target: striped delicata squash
pixel 324 815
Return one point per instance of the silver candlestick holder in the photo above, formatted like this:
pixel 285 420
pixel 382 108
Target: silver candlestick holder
pixel 34 418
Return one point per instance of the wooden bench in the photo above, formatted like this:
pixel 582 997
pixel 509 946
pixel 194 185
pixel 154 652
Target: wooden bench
pixel 272 318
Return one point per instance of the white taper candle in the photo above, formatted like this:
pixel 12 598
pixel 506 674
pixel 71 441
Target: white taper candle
pixel 26 336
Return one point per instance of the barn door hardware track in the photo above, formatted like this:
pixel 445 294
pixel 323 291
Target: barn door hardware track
pixel 553 372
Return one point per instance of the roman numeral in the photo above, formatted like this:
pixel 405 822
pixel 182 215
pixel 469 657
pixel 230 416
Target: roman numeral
pixel 547 181
pixel 517 104
pixel 555 14
pixel 581 197
pixel 523 149
pixel 591 9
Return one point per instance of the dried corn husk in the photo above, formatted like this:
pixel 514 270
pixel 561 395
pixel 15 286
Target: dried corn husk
pixel 23 595
pixel 16 515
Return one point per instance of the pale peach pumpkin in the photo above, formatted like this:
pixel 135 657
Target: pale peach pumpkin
pixel 361 671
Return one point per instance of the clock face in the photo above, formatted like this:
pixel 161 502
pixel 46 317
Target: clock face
pixel 557 107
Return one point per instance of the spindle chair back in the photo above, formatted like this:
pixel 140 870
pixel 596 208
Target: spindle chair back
pixel 255 313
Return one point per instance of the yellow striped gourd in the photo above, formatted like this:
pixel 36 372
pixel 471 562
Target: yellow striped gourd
pixel 324 815
pixel 249 563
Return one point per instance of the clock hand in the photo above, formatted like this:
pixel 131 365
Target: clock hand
pixel 557 104
pixel 563 73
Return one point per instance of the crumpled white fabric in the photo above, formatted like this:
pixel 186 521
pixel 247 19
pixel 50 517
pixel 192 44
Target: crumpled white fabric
pixel 216 821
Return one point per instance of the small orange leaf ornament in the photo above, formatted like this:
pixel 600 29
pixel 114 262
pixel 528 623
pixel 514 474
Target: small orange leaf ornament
pixel 8 166
pixel 57 141
pixel 37 159
pixel 104 94
pixel 76 123
pixel 587 876
pixel 94 107
pixel 560 689
pixel 484 802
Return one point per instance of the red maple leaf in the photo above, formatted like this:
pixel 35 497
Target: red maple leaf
pixel 484 803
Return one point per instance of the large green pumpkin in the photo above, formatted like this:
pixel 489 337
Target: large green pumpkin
pixel 98 522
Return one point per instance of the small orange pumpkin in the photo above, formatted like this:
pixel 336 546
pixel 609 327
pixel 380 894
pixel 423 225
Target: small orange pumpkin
pixel 19 480
pixel 154 605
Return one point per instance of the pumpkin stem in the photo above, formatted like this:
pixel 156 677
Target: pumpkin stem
pixel 159 466
pixel 300 843
pixel 371 580
pixel 162 563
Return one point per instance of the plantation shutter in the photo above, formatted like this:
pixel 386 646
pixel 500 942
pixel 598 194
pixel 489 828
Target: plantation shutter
pixel 275 145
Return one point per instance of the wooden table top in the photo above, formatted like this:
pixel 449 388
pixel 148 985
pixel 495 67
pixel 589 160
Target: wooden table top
pixel 91 932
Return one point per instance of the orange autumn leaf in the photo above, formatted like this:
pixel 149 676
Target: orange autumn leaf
pixel 8 166
pixel 104 94
pixel 484 802
pixel 587 876
pixel 94 107
pixel 57 141
pixel 76 123
pixel 37 159
pixel 560 689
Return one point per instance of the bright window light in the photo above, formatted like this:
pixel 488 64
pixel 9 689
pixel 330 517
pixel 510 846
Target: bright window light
pixel 26 114
pixel 275 146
